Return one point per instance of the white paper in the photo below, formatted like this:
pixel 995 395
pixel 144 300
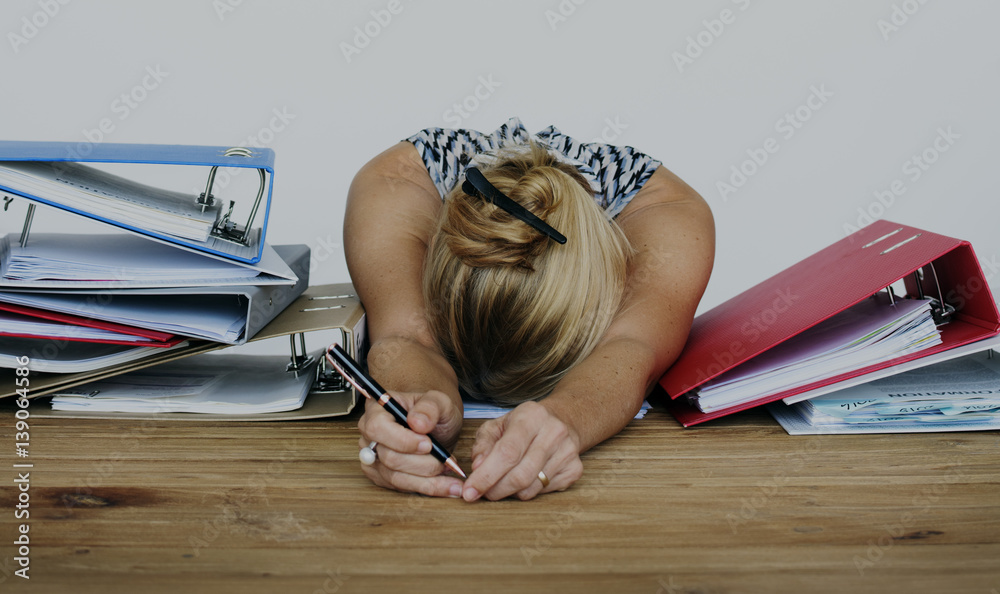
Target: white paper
pixel 867 333
pixel 225 384
pixel 220 318
pixel 29 326
pixel 957 395
pixel 72 357
pixel 90 190
pixel 476 409
pixel 124 260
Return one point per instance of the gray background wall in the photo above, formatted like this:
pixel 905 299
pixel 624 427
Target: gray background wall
pixel 846 100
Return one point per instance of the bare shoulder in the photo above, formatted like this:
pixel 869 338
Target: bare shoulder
pixel 672 231
pixel 392 209
pixel 668 214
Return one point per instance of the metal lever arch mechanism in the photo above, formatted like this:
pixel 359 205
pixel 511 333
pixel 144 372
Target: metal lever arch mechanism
pixel 224 227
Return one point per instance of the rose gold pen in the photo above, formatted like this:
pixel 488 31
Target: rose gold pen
pixel 349 368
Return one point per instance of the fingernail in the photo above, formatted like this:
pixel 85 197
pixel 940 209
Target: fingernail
pixel 471 494
pixel 424 446
pixel 455 491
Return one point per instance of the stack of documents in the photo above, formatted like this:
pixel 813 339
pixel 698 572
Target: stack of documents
pixel 105 196
pixel 219 384
pixel 870 332
pixel 55 356
pixel 211 317
pixel 173 271
pixel 79 257
pixel 957 395
pixel 122 260
pixel 28 322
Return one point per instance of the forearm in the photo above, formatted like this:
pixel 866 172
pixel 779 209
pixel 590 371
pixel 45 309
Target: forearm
pixel 602 394
pixel 406 365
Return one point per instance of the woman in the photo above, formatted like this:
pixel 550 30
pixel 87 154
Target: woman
pixel 463 296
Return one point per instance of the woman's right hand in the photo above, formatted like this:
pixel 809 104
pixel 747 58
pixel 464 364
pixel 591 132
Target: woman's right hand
pixel 404 462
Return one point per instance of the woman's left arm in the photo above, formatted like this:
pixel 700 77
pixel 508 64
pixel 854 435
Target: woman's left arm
pixel 672 231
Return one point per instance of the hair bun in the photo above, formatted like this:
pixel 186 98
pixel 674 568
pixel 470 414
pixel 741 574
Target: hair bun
pixel 484 235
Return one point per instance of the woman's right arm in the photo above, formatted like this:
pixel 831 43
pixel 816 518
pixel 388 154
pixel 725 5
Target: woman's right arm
pixel 392 211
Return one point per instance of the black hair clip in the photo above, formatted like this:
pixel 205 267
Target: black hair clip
pixel 476 184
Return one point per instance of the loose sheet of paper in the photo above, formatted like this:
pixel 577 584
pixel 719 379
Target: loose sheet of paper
pixel 475 409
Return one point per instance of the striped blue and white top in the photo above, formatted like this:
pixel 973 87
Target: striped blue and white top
pixel 616 173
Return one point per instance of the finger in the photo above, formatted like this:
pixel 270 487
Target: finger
pixel 486 437
pixel 508 452
pixel 416 464
pixel 523 476
pixel 570 472
pixel 428 411
pixel 434 486
pixel 378 425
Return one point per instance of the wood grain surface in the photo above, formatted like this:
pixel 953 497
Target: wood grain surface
pixel 732 506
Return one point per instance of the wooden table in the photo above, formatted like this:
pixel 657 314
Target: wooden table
pixel 733 506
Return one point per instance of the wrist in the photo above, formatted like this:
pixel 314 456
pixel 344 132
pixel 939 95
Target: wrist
pixel 557 407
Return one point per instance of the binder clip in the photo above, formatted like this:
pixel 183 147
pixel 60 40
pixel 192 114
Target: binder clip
pixel 225 228
pixel 326 380
pixel 300 360
pixel 941 310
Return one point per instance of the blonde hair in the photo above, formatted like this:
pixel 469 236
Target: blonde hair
pixel 512 310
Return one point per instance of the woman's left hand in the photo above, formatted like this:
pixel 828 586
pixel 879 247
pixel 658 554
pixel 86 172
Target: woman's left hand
pixel 511 451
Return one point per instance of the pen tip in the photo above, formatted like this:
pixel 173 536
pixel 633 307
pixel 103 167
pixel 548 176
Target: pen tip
pixel 453 465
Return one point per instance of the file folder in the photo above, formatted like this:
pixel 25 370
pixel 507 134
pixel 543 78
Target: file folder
pixel 62 164
pixel 256 304
pixel 825 284
pixel 152 337
pixel 324 307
